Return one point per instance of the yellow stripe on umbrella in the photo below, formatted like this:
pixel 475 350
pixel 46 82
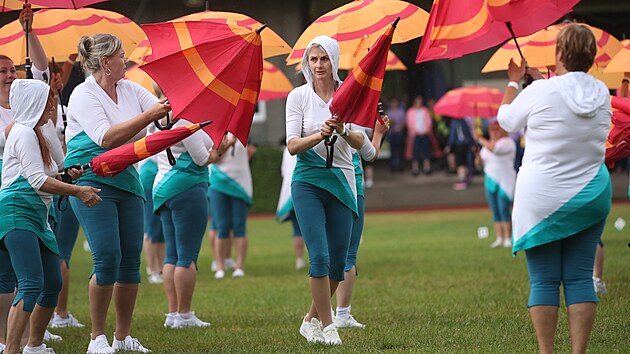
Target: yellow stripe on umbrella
pixel 59 31
pixel 273 44
pixel 358 24
pixel 621 61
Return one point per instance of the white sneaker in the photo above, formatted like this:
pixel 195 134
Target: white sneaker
pixel 331 336
pixel 42 349
pixel 347 322
pixel 170 320
pixel 213 267
pixel 497 243
pixel 312 331
pixel 219 274
pixel 238 273
pixel 61 322
pixel 129 344
pixel 300 263
pixel 600 286
pixel 99 346
pixel 191 321
pixel 230 263
pixel 155 278
pixel 49 337
pixel 507 243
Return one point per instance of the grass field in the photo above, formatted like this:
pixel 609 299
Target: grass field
pixel 426 284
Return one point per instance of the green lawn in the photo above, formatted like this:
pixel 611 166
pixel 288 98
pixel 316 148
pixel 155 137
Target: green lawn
pixel 427 284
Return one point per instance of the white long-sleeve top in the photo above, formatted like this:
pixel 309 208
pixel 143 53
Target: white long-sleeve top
pixel 498 166
pixel 562 187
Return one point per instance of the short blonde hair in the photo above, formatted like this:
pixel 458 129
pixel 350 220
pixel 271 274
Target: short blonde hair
pixel 577 47
pixel 93 48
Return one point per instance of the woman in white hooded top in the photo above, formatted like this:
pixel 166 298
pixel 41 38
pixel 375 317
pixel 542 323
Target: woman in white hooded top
pixel 563 191
pixel 324 199
pixel 28 185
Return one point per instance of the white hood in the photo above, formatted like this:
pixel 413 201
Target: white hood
pixel 332 49
pixel 582 93
pixel 28 100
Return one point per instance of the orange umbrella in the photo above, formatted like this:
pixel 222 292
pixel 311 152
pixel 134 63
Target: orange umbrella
pixel 471 101
pixel 359 24
pixel 460 27
pixel 116 160
pixel 357 98
pixel 540 49
pixel 208 70
pixel 273 44
pixel 59 31
pixel 12 5
pixel 348 61
pixel 621 61
pixel 138 76
pixel 275 85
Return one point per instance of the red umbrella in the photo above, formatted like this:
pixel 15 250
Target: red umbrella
pixel 357 98
pixel 459 27
pixel 12 5
pixel 119 159
pixel 618 143
pixel 472 101
pixel 208 70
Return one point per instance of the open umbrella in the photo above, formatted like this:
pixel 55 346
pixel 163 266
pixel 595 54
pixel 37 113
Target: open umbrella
pixel 621 61
pixel 273 44
pixel 349 61
pixel 208 70
pixel 59 31
pixel 471 101
pixel 358 24
pixel 540 49
pixel 116 160
pixel 618 143
pixel 459 27
pixel 13 5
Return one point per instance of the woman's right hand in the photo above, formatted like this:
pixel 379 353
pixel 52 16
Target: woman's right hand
pixel 88 196
pixel 158 110
pixel 327 129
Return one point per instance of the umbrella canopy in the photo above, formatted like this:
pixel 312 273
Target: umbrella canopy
pixel 472 101
pixel 358 25
pixel 59 31
pixel 621 61
pixel 273 44
pixel 208 70
pixel 540 49
pixel 12 5
pixel 116 160
pixel 618 143
pixel 460 27
pixel 357 98
pixel 275 85
pixel 138 76
pixel 348 61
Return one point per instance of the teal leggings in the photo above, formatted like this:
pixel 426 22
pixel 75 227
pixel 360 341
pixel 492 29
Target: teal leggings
pixel 355 237
pixel 326 224
pixel 37 270
pixel 568 262
pixel 184 223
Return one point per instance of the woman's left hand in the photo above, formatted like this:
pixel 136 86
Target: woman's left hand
pixel 382 128
pixel 336 123
pixel 75 173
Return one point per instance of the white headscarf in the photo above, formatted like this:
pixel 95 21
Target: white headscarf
pixel 331 47
pixel 28 100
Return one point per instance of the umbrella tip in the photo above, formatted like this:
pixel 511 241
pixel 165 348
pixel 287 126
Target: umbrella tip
pixel 396 22
pixel 261 28
pixel 203 124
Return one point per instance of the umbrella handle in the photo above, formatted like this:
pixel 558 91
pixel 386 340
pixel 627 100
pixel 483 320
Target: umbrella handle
pixel 329 142
pixel 169 123
pixel 171 158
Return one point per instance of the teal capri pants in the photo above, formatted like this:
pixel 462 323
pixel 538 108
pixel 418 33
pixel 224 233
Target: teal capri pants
pixel 355 237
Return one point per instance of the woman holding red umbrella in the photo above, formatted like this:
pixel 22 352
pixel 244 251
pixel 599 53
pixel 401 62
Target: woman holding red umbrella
pixel 105 112
pixel 325 199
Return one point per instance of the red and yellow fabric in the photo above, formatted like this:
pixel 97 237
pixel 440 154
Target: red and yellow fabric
pixel 540 49
pixel 59 31
pixel 273 44
pixel 357 98
pixel 618 143
pixel 138 76
pixel 13 5
pixel 358 24
pixel 207 69
pixel 620 63
pixel 349 61
pixel 275 85
pixel 471 101
pixel 459 27
pixel 119 159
